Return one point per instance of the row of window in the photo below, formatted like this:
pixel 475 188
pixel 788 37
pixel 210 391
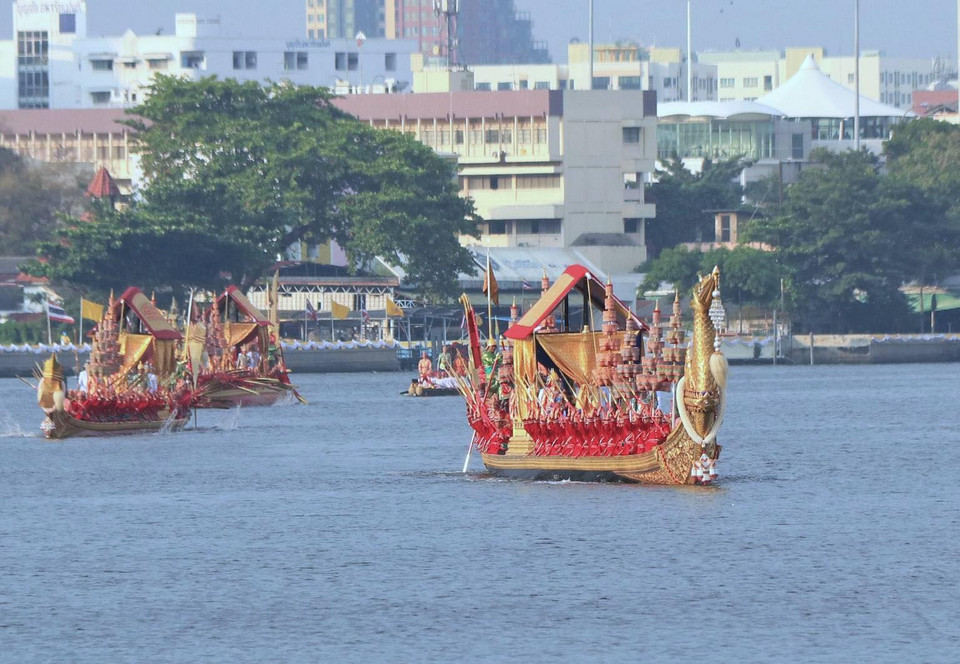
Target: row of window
pixel 497 182
pixel 417 31
pixel 244 60
pixel 748 82
pixel 547 226
pixel 524 227
pixel 441 137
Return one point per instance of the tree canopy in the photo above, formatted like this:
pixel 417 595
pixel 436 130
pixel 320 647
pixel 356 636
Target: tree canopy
pixel 683 201
pixel 747 275
pixel 848 239
pixel 31 198
pixel 236 173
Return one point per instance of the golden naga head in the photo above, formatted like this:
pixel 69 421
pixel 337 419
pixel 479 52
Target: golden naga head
pixel 703 291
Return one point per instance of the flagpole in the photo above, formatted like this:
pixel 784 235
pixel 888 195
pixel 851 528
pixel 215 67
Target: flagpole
pixel 489 298
pixel 49 328
pixel 80 334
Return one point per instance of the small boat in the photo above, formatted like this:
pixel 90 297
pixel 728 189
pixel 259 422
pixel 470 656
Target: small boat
pixel 442 381
pixel 623 402
pixel 122 391
pixel 240 362
pixel 437 387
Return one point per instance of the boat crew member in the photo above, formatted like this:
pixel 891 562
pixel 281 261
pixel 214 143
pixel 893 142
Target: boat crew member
pixel 425 366
pixel 83 378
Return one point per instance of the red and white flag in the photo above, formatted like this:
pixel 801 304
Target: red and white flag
pixel 56 314
pixel 366 316
pixel 311 311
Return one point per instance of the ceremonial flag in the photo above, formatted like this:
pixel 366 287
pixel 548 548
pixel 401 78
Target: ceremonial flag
pixel 339 311
pixel 91 310
pixel 393 309
pixel 58 315
pixel 365 316
pixel 311 311
pixel 490 285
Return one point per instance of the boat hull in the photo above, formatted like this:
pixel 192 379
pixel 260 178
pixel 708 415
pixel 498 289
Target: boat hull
pixel 229 396
pixel 59 425
pixel 670 463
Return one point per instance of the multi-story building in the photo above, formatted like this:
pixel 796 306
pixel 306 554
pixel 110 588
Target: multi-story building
pixel 52 63
pixel 343 19
pixel 749 75
pixel 545 168
pixel 492 31
pixel 624 66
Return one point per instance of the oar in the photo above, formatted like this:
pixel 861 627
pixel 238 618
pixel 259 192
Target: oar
pixel 466 462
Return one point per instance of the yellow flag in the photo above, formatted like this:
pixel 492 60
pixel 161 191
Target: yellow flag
pixel 393 309
pixel 339 311
pixel 490 286
pixel 91 310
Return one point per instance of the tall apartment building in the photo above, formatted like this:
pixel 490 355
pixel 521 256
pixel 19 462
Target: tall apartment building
pixel 546 168
pixel 485 31
pixel 53 63
pixel 343 19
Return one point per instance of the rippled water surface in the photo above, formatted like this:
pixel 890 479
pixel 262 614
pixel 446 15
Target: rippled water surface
pixel 342 531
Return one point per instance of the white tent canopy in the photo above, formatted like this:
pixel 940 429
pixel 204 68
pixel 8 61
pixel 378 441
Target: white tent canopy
pixel 720 110
pixel 812 94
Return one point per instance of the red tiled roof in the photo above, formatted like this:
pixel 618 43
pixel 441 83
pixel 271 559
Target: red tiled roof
pixel 59 121
pixel 102 185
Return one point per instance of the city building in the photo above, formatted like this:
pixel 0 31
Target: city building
pixel 546 168
pixel 748 75
pixel 343 19
pixel 812 96
pixel 53 63
pixel 621 66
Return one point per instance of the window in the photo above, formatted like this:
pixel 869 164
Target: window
pixel 100 97
pixel 524 84
pixel 192 60
pixel 541 135
pixel 538 227
pixel 631 135
pixel 481 86
pixel 353 61
pixel 669 82
pixel 68 24
pixel 496 228
pixel 632 225
pixel 157 63
pixel 32 48
pixel 549 181
pixel 294 60
pixel 631 82
pixel 390 61
pixel 524 135
pixel 340 61
pixel 504 86
pixel 101 65
pixel 768 83
pixel 601 82
pixel 796 146
pixel 34 89
pixel 850 78
pixel 541 85
pixel 724 228
pixel 244 59
pixel 751 82
pixel 359 301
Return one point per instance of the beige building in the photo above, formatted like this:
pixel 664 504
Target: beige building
pixel 545 168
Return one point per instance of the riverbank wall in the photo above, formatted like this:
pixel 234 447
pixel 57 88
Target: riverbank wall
pixel 843 349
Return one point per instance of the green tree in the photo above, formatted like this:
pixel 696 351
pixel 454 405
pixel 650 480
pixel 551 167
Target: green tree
pixel 848 239
pixel 31 198
pixel 747 275
pixel 236 173
pixel 684 201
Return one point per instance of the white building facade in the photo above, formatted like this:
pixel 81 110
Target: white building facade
pixel 52 63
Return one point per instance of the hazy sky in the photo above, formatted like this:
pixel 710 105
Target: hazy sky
pixel 914 28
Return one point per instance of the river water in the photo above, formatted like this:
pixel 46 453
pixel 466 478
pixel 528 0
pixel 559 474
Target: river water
pixel 343 531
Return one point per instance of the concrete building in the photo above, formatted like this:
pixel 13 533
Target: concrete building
pixel 545 168
pixel 52 63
